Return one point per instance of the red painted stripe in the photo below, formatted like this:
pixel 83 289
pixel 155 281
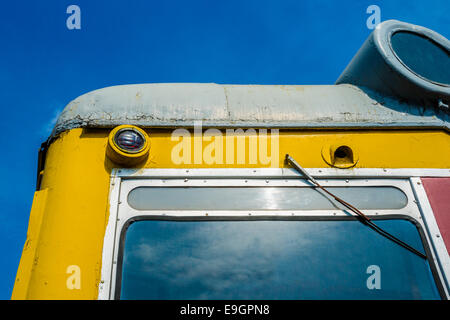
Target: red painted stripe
pixel 438 192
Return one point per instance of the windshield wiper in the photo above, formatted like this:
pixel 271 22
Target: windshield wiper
pixel 363 218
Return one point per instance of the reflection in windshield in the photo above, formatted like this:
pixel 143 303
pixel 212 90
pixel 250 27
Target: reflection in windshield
pixel 271 260
pixel 263 198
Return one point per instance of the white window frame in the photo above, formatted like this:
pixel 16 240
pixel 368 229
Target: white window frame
pixel 418 209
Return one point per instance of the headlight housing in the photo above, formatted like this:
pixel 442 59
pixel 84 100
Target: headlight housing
pixel 128 145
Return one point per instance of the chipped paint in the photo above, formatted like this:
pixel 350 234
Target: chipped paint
pixel 308 107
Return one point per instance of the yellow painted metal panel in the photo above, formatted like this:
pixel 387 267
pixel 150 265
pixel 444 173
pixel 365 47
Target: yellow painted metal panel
pixel 30 257
pixel 69 216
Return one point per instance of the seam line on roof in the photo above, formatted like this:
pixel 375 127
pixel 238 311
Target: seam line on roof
pixel 227 109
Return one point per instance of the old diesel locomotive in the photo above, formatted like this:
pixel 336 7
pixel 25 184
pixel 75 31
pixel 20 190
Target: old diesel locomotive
pixel 197 191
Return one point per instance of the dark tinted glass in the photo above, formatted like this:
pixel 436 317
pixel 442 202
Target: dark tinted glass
pixel 423 56
pixel 273 260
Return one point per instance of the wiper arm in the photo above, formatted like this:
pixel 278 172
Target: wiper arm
pixel 363 218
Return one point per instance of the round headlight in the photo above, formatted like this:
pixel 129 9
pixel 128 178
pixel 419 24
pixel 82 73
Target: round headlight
pixel 128 145
pixel 129 140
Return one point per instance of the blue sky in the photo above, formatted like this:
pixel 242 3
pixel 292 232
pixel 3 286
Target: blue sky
pixel 43 65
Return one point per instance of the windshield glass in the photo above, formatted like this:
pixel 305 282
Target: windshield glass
pixel 274 259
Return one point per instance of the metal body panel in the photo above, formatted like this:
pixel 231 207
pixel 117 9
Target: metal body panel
pixel 182 104
pixel 434 235
pixel 77 176
pixel 438 192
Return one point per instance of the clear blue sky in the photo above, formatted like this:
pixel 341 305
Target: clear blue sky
pixel 43 65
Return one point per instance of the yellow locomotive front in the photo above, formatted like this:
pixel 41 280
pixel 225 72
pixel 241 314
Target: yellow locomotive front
pixel 181 191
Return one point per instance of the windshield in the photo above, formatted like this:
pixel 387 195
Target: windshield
pixel 274 259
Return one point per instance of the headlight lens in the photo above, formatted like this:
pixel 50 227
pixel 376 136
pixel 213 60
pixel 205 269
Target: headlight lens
pixel 129 140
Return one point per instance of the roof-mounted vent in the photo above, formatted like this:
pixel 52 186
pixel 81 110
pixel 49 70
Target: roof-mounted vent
pixel 405 61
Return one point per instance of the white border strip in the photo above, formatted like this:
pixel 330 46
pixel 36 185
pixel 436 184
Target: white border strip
pixel 104 288
pixel 274 173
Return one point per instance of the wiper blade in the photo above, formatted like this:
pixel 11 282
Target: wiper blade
pixel 362 217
